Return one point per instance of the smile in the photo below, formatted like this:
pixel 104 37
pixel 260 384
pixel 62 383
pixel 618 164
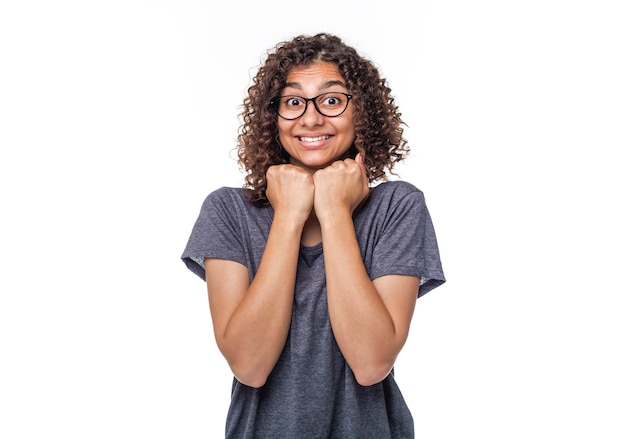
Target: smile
pixel 313 139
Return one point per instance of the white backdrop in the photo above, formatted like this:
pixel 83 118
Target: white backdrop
pixel 117 118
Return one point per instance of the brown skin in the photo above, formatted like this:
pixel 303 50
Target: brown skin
pixel 314 197
pixel 378 124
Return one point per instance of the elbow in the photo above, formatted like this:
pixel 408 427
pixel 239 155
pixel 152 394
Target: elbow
pixel 369 375
pixel 255 382
pixel 250 376
pixel 249 370
pixel 371 368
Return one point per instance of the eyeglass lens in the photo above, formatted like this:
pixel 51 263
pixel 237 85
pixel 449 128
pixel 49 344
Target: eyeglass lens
pixel 328 104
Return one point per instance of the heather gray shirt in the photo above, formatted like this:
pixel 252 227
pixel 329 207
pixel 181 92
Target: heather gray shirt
pixel 311 392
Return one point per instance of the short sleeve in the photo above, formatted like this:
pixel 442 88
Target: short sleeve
pixel 217 232
pixel 407 244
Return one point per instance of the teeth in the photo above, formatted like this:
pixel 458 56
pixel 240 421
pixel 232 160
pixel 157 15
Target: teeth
pixel 313 139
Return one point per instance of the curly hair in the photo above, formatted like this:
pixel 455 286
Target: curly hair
pixel 378 124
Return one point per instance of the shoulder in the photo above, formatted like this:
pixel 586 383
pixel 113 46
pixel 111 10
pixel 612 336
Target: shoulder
pixel 231 205
pixel 226 193
pixel 393 200
pixel 229 197
pixel 395 191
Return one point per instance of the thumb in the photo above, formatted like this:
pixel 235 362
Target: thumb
pixel 359 161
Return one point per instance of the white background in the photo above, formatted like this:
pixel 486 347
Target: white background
pixel 117 118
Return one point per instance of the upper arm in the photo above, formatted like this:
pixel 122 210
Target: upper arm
pixel 399 294
pixel 227 283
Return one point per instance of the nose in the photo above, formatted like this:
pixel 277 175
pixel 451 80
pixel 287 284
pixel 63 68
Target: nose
pixel 311 116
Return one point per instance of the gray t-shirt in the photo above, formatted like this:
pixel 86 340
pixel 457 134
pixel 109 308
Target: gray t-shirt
pixel 311 392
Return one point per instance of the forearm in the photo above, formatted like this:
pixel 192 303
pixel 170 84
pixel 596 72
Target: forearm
pixel 256 332
pixel 362 325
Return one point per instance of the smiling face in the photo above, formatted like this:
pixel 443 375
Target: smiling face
pixel 314 141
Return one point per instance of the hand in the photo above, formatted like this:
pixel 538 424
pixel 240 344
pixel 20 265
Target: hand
pixel 340 187
pixel 290 191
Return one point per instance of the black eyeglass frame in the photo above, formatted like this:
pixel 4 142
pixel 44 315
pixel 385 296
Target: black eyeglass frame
pixel 274 103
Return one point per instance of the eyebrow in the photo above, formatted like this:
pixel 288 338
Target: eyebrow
pixel 326 84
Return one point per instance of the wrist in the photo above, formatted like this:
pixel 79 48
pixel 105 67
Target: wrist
pixel 334 217
pixel 288 219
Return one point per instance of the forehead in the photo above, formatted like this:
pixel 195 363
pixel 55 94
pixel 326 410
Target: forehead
pixel 319 72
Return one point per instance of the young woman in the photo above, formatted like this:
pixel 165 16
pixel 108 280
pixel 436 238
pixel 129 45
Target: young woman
pixel 312 269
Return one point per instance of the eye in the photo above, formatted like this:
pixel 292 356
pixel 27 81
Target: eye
pixel 331 100
pixel 292 101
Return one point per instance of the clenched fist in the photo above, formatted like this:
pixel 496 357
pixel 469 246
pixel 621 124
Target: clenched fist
pixel 290 191
pixel 340 187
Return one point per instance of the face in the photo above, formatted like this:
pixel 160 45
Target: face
pixel 314 141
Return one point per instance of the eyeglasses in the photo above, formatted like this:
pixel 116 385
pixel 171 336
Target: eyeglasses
pixel 330 104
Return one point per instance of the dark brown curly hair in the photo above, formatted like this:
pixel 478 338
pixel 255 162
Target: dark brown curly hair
pixel 377 122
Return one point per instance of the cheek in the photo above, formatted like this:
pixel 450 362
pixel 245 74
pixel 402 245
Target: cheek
pixel 348 129
pixel 349 124
pixel 283 128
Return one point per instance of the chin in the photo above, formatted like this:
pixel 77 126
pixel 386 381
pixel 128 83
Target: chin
pixel 318 164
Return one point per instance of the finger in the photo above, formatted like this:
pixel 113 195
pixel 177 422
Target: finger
pixel 359 160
